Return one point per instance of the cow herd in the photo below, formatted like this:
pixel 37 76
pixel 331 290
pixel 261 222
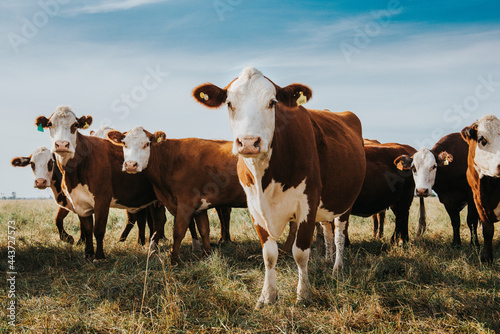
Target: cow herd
pixel 289 165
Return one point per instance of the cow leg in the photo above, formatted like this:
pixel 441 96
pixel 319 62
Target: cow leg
pixel 472 219
pixel 422 220
pixel 488 231
pixel 340 226
pixel 454 213
pixel 101 218
pixel 224 214
pixel 301 252
pixel 375 226
pixel 156 218
pixel 381 219
pixel 181 223
pixel 204 229
pixel 269 292
pixel 196 243
pixel 287 246
pixel 328 235
pixel 141 225
pixel 82 239
pixel 87 226
pixel 61 214
pixel 131 219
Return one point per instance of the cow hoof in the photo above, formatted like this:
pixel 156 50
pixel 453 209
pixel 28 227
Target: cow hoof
pixel 89 257
pixel 69 239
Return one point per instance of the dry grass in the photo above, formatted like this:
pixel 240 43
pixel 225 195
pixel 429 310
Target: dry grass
pixel 424 287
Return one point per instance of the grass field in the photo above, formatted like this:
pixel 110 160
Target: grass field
pixel 423 287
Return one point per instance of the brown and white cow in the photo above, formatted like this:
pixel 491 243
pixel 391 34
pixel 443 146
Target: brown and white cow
pixel 443 169
pixel 92 177
pixel 384 186
pixel 295 164
pixel 188 175
pixel 483 175
pixel 47 174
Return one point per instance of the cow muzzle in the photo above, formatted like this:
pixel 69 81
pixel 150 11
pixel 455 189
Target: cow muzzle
pixel 62 146
pixel 422 192
pixel 249 145
pixel 41 183
pixel 131 166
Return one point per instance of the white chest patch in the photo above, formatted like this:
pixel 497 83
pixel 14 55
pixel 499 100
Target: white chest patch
pixel 204 205
pixel 273 208
pixel 83 200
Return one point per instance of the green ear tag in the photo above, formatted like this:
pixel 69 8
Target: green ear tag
pixel 40 127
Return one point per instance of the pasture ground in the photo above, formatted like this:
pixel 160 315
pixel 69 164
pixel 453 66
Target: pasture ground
pixel 423 287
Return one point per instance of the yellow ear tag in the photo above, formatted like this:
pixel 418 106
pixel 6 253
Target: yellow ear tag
pixel 86 126
pixel 302 99
pixel 204 96
pixel 400 165
pixel 159 140
pixel 446 162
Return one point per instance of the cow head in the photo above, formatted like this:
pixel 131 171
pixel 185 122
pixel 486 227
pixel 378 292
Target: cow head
pixel 63 125
pixel 483 138
pixel 136 147
pixel 42 164
pixel 252 100
pixel 101 133
pixel 423 165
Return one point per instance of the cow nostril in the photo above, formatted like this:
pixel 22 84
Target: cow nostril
pixel 67 145
pixel 257 142
pixel 238 142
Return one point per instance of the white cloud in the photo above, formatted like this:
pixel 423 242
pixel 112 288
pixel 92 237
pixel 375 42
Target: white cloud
pixel 110 6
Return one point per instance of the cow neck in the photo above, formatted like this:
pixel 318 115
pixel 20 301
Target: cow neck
pixel 162 161
pixel 489 192
pixel 72 169
pixel 56 187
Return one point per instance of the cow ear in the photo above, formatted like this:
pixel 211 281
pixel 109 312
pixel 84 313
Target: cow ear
pixel 210 95
pixel 403 162
pixel 92 132
pixel 21 161
pixel 42 121
pixel 294 95
pixel 116 137
pixel 158 137
pixel 84 122
pixel 444 158
pixel 469 132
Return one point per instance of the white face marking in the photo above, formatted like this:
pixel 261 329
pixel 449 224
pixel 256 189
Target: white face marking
pixel 41 161
pixel 424 169
pixel 83 200
pixel 251 113
pixel 487 155
pixel 136 148
pixel 63 122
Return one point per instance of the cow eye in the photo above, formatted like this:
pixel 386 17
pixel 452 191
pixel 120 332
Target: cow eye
pixel 433 167
pixel 32 165
pixel 413 169
pixel 229 105
pixel 146 145
pixel 482 141
pixel 272 103
pixel 49 124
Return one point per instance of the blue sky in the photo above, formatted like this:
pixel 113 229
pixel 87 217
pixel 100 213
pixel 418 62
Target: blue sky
pixel 413 71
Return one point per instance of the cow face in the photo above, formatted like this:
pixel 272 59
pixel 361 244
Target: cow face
pixel 423 165
pixel 483 138
pixel 136 147
pixel 63 125
pixel 42 164
pixel 251 100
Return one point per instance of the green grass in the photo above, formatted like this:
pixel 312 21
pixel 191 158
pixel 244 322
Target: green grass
pixel 425 286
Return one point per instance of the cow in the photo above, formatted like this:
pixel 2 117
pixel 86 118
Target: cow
pixel 295 164
pixel 483 175
pixel 443 169
pixel 47 174
pixel 384 187
pixel 92 177
pixel 188 175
